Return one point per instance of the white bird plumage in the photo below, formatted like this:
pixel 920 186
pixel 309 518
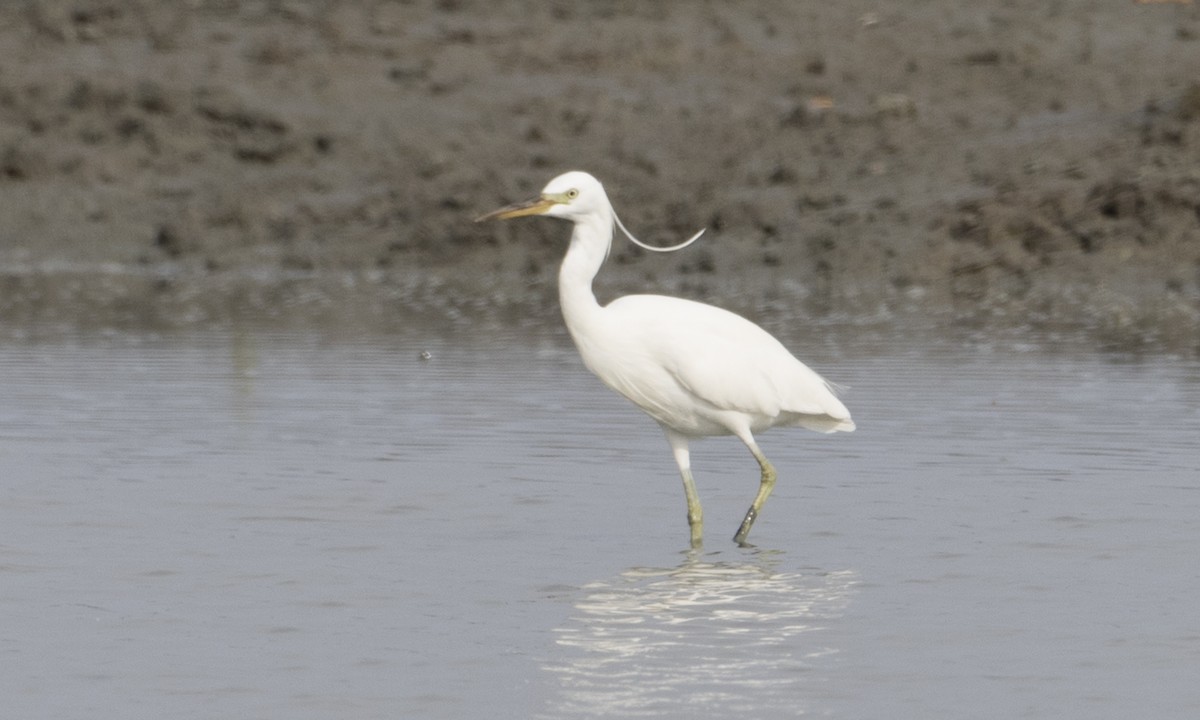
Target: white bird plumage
pixel 697 369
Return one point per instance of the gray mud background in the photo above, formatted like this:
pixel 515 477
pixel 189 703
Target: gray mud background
pixel 1033 163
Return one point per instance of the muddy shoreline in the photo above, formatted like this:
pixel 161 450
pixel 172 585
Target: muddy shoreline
pixel 177 164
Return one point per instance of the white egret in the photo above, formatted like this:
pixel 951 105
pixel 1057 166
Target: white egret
pixel 696 369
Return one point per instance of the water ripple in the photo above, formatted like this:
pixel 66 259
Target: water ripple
pixel 700 639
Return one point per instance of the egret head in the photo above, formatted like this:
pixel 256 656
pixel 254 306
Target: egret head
pixel 571 195
pixel 576 195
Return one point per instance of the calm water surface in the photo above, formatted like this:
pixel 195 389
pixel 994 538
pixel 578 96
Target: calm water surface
pixel 259 525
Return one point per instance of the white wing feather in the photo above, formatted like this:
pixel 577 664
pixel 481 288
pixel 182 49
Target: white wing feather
pixel 727 362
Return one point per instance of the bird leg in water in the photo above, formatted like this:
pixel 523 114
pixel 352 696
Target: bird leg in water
pixel 766 485
pixel 695 514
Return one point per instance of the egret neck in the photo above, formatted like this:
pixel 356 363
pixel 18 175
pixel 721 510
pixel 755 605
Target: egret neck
pixel 590 242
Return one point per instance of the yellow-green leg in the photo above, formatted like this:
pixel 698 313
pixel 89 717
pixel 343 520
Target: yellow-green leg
pixel 765 486
pixel 695 514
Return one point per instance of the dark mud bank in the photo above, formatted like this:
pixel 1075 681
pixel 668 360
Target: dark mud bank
pixel 173 163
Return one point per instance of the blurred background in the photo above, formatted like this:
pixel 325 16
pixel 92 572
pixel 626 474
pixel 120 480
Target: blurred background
pixel 1031 164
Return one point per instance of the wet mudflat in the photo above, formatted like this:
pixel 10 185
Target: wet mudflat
pixel 258 525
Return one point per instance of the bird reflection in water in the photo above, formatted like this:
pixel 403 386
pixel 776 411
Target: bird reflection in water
pixel 705 639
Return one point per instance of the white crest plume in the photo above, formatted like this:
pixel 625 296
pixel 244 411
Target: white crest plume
pixel 651 248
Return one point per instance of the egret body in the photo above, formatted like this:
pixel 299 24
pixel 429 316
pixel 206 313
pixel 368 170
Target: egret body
pixel 696 369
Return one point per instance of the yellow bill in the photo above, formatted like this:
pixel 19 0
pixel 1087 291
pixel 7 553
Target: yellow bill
pixel 537 206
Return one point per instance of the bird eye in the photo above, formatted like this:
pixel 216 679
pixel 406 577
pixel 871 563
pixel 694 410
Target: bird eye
pixel 572 194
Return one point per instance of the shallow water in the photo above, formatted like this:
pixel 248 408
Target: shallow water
pixel 261 525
